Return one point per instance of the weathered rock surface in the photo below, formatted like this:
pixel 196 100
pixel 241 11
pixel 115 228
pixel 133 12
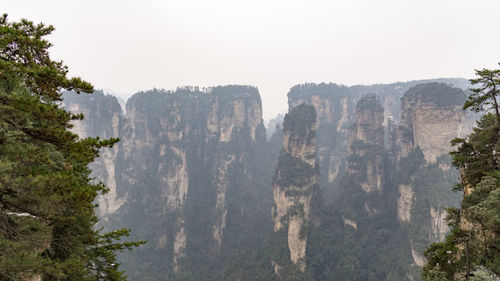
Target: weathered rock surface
pixel 432 116
pixel 104 119
pixel 186 164
pixel 192 175
pixel 384 168
pixel 405 202
pixel 335 107
pixel 296 180
pixel 366 144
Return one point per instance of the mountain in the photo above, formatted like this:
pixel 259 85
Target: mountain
pixel 350 186
pixel 188 175
pixel 385 176
pixel 295 187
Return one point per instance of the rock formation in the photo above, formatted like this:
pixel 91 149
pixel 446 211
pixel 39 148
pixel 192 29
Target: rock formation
pixel 335 107
pixel 357 191
pixel 186 164
pixel 296 180
pixel 103 118
pixel 366 144
pixel 363 192
pixel 432 116
pixel 392 184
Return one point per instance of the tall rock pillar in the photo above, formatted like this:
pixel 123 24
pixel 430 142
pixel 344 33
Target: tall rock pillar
pixel 296 180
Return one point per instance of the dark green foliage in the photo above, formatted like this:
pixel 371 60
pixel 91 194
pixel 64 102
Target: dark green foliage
pixel 305 90
pixel 432 190
pixel 293 171
pixel 297 209
pixel 373 251
pixel 300 120
pixel 277 247
pixel 46 193
pixel 477 153
pixel 24 55
pixel 473 244
pixel 444 256
pixel 485 95
pixel 438 93
pixel 370 101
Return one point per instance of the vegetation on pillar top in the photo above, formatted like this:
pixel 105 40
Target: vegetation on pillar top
pixel 323 89
pixel 369 101
pixel 300 120
pixel 439 93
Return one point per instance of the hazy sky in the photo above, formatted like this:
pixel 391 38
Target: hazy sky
pixel 128 46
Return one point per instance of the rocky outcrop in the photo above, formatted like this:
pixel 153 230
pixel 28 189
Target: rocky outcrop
pixel 296 180
pixel 377 187
pixel 418 258
pixel 432 116
pixel 439 226
pixel 188 142
pixel 352 223
pixel 405 202
pixel 192 173
pixel 103 118
pixel 366 144
pixel 185 157
pixel 222 183
pixel 335 106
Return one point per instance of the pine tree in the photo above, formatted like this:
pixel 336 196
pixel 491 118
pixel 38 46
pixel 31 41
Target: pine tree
pixel 47 219
pixel 484 96
pixel 473 245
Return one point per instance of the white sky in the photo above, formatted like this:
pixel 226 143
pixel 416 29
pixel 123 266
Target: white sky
pixel 128 46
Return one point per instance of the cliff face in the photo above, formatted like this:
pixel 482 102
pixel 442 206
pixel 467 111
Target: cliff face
pixel 364 192
pixel 104 119
pixel 357 191
pixel 432 116
pixel 335 106
pixel 296 180
pixel 366 141
pixel 187 171
pixel 196 149
pixel 359 227
pixel 395 179
pixel 364 173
